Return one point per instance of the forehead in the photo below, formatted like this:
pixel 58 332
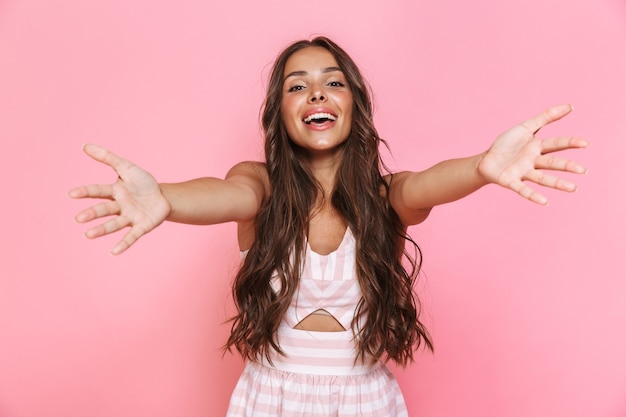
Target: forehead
pixel 312 59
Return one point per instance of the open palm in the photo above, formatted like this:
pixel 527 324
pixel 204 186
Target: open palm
pixel 134 200
pixel 518 156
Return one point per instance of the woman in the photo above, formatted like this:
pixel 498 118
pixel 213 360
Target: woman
pixel 322 296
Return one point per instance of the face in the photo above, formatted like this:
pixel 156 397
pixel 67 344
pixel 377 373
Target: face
pixel 316 104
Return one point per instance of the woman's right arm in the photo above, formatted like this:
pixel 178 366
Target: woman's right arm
pixel 236 198
pixel 136 200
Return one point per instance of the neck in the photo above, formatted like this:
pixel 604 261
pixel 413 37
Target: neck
pixel 324 167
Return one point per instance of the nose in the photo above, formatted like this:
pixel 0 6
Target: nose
pixel 317 95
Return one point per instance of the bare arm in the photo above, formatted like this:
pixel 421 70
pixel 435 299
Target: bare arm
pixel 414 194
pixel 236 198
pixel 138 202
pixel 515 157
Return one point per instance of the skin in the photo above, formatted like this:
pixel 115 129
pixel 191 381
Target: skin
pixel 314 83
pixel 137 201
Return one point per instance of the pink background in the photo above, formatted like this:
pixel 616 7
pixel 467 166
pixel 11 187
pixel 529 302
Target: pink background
pixel 527 304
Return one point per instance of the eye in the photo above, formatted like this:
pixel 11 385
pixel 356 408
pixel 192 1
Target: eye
pixel 295 88
pixel 336 84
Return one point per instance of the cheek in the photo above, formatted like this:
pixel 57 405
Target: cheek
pixel 287 106
pixel 346 103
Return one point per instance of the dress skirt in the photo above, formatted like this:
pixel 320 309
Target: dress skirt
pixel 317 378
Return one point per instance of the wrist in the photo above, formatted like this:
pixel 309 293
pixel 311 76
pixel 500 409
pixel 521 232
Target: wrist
pixel 167 191
pixel 479 169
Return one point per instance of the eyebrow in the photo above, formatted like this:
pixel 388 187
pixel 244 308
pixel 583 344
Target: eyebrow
pixel 302 73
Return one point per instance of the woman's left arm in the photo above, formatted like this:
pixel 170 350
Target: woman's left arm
pixel 516 157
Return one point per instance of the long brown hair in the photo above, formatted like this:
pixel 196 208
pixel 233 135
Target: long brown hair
pixel 389 306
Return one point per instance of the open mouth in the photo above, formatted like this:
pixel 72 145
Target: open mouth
pixel 319 118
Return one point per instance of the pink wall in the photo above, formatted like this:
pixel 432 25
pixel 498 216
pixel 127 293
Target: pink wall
pixel 527 304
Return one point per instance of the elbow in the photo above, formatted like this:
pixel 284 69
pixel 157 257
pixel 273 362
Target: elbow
pixel 414 217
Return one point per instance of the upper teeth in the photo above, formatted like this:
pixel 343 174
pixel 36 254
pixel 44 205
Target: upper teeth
pixel 319 116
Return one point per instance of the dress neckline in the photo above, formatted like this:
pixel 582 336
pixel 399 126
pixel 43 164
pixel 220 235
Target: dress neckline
pixel 346 233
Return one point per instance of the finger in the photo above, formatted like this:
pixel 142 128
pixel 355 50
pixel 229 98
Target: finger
pixel 92 191
pixel 107 157
pixel 547 116
pixel 562 143
pixel 129 239
pixel 528 193
pixel 108 208
pixel 551 181
pixel 120 247
pixel 559 164
pixel 111 226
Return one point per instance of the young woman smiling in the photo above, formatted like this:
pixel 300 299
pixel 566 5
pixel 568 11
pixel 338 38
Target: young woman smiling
pixel 325 294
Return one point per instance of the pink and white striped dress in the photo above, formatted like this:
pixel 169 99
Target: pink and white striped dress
pixel 318 376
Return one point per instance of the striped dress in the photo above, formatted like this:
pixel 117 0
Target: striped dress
pixel 318 376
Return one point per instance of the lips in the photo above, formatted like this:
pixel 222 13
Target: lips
pixel 319 117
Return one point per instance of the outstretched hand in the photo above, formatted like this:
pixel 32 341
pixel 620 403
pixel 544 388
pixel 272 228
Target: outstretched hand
pixel 518 156
pixel 134 200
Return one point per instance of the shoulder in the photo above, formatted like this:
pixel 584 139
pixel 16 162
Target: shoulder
pixel 398 195
pixel 394 181
pixel 252 174
pixel 254 168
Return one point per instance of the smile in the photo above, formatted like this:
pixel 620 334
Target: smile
pixel 319 118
